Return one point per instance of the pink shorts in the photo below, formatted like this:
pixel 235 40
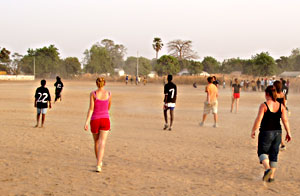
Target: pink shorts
pixel 236 95
pixel 102 124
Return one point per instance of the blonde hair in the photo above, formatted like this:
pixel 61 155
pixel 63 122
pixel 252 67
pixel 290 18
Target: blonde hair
pixel 100 82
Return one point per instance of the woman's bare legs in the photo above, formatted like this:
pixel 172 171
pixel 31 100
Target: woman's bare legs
pixel 232 103
pixel 100 141
pixel 237 105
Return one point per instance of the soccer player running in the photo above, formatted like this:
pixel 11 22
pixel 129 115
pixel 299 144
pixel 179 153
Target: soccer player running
pixel 269 138
pixel 236 90
pixel 211 102
pixel 58 88
pixel 42 97
pixel 98 117
pixel 170 91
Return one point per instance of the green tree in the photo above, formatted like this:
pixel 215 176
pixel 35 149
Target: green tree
pixel 284 64
pixel 144 65
pixel 70 66
pixel 157 45
pixel 116 52
pixel 167 65
pixel 4 59
pixel 47 61
pixel 233 64
pixel 210 65
pixel 97 60
pixel 195 67
pixel 264 65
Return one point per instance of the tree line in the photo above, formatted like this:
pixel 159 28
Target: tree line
pixel 106 56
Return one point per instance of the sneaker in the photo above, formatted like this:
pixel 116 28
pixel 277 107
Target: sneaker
pixel 166 126
pixel 271 180
pixel 267 175
pixel 170 129
pixel 201 124
pixel 215 125
pixel 98 168
pixel 282 148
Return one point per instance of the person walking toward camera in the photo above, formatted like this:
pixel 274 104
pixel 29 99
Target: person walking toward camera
pixel 211 102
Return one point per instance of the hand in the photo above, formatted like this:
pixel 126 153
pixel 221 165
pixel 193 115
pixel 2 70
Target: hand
pixel 35 104
pixel 253 134
pixel 288 137
pixel 165 106
pixel 86 126
pixel 50 105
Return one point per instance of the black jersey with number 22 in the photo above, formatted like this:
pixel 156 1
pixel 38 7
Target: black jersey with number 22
pixel 42 97
pixel 171 91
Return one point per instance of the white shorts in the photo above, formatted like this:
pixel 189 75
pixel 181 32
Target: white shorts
pixel 213 106
pixel 42 110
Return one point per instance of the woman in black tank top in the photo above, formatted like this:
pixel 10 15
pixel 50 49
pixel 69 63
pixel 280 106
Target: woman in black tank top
pixel 281 99
pixel 269 138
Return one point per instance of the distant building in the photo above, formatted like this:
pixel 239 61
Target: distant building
pixel 291 74
pixel 120 72
pixel 203 73
pixel 236 73
pixel 152 74
pixel 184 72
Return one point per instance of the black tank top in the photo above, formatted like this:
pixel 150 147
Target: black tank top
pixel 271 120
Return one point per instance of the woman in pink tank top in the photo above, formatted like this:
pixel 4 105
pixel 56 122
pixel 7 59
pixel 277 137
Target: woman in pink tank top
pixel 98 117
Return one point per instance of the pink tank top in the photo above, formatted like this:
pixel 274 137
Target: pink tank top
pixel 100 108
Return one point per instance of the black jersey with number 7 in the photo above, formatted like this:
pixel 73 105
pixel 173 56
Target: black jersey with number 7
pixel 171 91
pixel 42 96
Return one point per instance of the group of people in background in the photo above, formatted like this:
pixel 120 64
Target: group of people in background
pixel 138 80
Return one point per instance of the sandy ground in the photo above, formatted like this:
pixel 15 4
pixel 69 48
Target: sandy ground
pixel 140 158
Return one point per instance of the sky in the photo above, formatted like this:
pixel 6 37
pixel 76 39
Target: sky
pixel 219 28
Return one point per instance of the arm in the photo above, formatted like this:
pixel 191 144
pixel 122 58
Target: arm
pixel 35 98
pixel 258 119
pixel 286 124
pixel 90 112
pixel 49 99
pixel 109 102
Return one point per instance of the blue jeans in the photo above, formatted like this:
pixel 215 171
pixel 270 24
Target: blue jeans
pixel 268 144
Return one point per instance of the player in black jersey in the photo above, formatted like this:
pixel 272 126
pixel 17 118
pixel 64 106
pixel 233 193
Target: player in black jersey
pixel 58 88
pixel 42 97
pixel 170 91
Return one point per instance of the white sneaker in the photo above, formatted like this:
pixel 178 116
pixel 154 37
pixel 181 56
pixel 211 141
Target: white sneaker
pixel 99 167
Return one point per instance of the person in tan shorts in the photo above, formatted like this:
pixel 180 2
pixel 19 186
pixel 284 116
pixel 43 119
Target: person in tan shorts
pixel 211 103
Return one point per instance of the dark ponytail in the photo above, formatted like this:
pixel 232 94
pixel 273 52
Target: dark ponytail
pixel 271 92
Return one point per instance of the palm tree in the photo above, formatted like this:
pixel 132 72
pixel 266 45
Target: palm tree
pixel 157 45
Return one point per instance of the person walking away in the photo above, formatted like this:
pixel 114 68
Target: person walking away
pixel 236 90
pixel 270 132
pixel 281 99
pixel 211 102
pixel 58 88
pixel 126 79
pixel 98 117
pixel 170 92
pixel 42 98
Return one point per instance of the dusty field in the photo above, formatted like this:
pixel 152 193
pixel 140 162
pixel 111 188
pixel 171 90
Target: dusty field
pixel 140 159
